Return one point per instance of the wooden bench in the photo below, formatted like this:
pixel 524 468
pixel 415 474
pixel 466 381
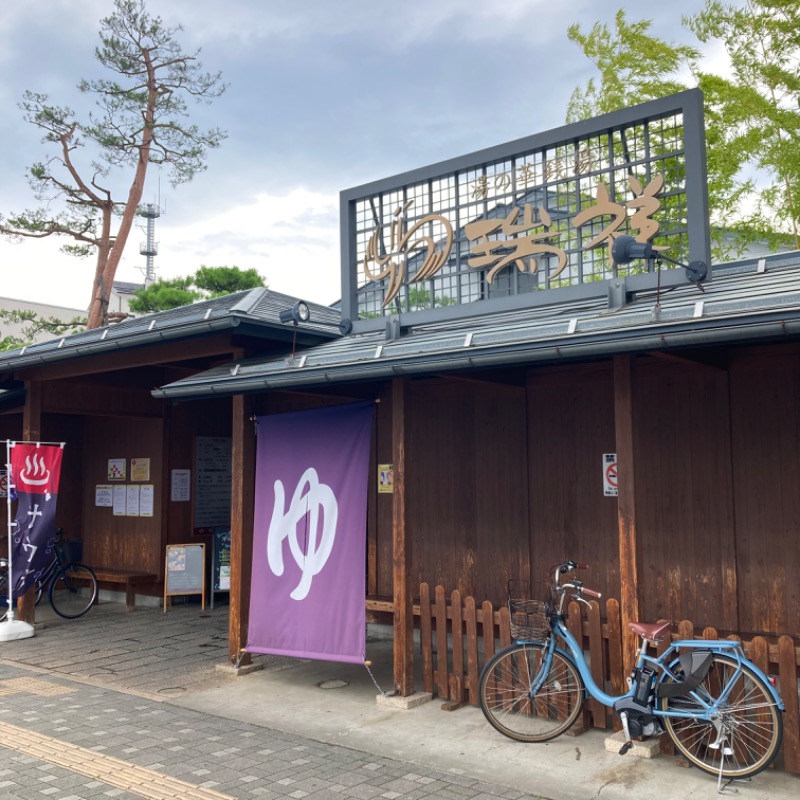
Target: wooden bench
pixel 129 578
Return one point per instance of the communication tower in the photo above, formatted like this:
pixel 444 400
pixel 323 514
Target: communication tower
pixel 149 248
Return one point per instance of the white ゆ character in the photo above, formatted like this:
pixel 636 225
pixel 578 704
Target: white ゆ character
pixel 309 498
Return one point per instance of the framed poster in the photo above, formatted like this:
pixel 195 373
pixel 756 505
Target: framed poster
pixel 185 572
pixel 212 483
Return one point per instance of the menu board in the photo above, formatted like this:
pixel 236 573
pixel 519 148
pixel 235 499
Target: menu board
pixel 185 571
pixel 212 482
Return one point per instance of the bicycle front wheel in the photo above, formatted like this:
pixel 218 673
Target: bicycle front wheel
pixel 73 591
pixel 751 723
pixel 507 700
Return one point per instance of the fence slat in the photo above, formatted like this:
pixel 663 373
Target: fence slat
pixel 759 654
pixel 442 678
pixel 685 629
pixel 487 630
pixel 505 627
pixel 467 629
pixel 787 665
pixel 425 637
pixel 575 626
pixel 615 647
pixel 596 661
pixel 471 621
pixel 457 634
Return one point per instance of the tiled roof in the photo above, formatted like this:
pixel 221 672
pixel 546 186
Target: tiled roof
pixel 254 311
pixel 747 301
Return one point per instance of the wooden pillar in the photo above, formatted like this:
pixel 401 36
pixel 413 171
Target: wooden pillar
pixel 243 463
pixel 624 410
pixel 31 432
pixel 402 549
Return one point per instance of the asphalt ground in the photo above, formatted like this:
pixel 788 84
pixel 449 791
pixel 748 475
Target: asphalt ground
pixel 145 705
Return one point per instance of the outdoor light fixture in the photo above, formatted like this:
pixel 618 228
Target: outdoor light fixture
pixel 299 312
pixel 627 249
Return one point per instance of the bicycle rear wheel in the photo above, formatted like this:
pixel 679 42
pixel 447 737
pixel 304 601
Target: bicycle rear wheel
pixel 73 591
pixel 752 725
pixel 506 700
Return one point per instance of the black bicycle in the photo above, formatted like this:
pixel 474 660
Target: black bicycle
pixel 71 587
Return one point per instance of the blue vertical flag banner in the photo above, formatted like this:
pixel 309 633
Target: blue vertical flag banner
pixel 308 584
pixel 35 473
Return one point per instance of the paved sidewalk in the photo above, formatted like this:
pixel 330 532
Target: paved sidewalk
pixel 315 723
pixel 72 741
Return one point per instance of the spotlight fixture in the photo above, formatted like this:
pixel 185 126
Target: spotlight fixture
pixel 299 312
pixel 627 249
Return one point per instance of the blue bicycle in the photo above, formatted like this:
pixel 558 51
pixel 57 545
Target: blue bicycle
pixel 718 708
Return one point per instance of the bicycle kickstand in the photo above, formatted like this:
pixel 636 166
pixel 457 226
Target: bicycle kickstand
pixel 725 751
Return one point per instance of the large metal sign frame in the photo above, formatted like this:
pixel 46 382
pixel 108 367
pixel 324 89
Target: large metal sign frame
pixel 533 221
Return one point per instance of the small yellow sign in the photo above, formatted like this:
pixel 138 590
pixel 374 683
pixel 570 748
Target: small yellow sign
pixel 140 469
pixel 385 478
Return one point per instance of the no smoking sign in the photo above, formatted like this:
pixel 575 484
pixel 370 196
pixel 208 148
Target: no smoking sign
pixel 3 483
pixel 610 486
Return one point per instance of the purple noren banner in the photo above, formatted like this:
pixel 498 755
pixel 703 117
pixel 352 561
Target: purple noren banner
pixel 308 588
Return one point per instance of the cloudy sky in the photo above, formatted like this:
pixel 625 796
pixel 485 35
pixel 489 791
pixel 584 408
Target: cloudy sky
pixel 324 95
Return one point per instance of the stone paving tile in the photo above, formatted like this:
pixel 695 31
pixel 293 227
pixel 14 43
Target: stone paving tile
pixel 235 758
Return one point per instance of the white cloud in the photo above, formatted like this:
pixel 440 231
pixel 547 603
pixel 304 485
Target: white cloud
pixel 292 240
pixel 323 96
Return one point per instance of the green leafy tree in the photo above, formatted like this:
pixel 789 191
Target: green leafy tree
pixel 163 295
pixel 759 105
pixel 635 66
pixel 140 119
pixel 218 281
pixel 33 326
pixel 207 282
pixel 419 299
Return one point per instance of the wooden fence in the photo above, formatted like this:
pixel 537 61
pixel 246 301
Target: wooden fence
pixel 457 637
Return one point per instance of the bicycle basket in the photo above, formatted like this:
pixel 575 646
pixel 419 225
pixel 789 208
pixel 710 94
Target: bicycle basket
pixel 529 618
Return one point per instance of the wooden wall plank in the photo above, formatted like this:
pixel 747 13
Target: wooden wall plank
pixel 570 424
pixel 467 473
pixel 122 542
pixel 403 550
pixel 629 557
pixel 765 426
pixel 243 458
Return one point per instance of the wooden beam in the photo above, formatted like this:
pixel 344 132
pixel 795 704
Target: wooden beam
pixel 624 408
pixel 402 549
pixel 31 432
pixel 243 462
pixel 491 383
pixel 675 359
pixel 65 397
pixel 125 358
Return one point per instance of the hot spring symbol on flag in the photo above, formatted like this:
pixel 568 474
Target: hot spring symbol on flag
pixel 309 539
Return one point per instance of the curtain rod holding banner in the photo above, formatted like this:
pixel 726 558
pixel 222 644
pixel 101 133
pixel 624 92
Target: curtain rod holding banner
pixel 14 442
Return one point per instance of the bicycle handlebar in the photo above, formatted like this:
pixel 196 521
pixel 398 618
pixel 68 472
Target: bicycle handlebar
pixel 576 586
